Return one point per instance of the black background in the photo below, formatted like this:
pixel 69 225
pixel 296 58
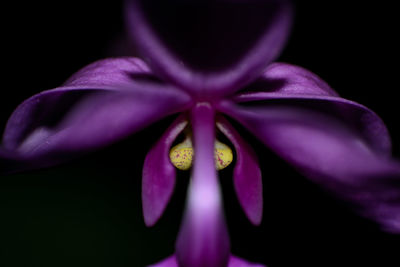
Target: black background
pixel 88 213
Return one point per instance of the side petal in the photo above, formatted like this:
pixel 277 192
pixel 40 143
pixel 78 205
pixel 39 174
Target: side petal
pixel 100 120
pixel 283 83
pixel 203 238
pixel 338 144
pixel 285 79
pixel 53 125
pixel 159 174
pixel 209 45
pixel 47 107
pixel 112 73
pixel 246 175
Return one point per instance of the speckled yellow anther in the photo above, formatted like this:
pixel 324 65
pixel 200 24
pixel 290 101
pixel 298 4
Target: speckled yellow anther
pixel 223 155
pixel 181 155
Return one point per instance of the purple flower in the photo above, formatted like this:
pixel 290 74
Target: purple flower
pixel 211 62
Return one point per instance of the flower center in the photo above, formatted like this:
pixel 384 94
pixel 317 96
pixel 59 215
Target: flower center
pixel 181 155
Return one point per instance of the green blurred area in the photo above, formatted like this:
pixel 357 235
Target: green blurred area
pixel 77 216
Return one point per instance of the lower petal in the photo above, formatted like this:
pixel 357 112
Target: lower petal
pixel 203 239
pixel 159 174
pixel 246 174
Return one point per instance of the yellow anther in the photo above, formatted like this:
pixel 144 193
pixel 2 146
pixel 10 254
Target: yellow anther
pixel 223 155
pixel 181 155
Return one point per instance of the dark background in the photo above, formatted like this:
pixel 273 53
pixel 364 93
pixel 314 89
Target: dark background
pixel 88 213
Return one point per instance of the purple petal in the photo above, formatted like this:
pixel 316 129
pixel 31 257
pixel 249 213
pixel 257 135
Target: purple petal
pixel 103 119
pixel 159 174
pixel 83 114
pixel 233 262
pixel 203 239
pixel 110 73
pixel 285 79
pixel 47 106
pixel 337 143
pixel 285 83
pixel 246 175
pixel 209 45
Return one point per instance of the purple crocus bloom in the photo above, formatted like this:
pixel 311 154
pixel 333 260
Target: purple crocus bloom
pixel 210 61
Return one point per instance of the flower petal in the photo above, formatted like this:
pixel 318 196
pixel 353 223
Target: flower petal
pixel 83 114
pixel 159 174
pixel 109 73
pixel 337 143
pixel 47 106
pixel 246 175
pixel 293 85
pixel 285 79
pixel 233 262
pixel 203 239
pixel 209 45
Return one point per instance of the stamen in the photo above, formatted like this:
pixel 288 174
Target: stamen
pixel 223 155
pixel 181 155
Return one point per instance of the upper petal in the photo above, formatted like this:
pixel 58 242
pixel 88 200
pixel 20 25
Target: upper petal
pixel 91 110
pixel 337 143
pixel 209 45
